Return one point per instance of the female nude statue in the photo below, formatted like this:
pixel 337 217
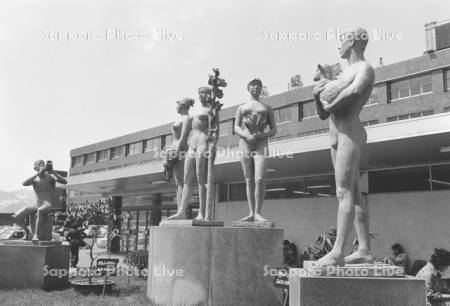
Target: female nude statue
pixel 251 121
pixel 180 132
pixel 196 158
pixel 347 139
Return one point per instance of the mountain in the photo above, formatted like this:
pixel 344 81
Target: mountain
pixel 11 201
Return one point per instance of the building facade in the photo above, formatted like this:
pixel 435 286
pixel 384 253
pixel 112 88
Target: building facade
pixel 405 169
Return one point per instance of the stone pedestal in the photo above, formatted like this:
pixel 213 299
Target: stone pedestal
pixel 191 223
pixel 306 289
pixel 218 266
pixel 27 265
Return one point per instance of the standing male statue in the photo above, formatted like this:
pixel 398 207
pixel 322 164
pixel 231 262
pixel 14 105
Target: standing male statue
pixel 44 187
pixel 347 139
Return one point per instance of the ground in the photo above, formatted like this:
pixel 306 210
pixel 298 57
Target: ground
pixel 127 291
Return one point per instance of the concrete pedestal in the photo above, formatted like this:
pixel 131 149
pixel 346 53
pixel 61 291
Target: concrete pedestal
pixel 308 290
pixel 34 266
pixel 213 266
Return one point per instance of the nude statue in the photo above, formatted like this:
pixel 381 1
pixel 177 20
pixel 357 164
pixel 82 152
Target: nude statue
pixel 195 164
pixel 180 133
pixel 347 137
pixel 251 121
pixel 44 187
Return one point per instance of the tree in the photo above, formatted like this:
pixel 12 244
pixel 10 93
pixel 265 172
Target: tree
pixel 296 82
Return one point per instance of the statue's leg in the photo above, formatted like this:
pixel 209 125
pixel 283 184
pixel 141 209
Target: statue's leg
pixel 260 184
pixel 179 180
pixel 346 165
pixel 248 169
pixel 188 187
pixel 364 252
pixel 42 222
pixel 19 218
pixel 202 173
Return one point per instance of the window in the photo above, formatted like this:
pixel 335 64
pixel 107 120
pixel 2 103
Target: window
pixel 285 189
pixel 166 140
pixel 395 180
pixel 223 192
pixel 309 109
pixel 117 151
pixel 237 192
pixel 226 128
pixel 283 114
pixel 91 158
pixel 370 122
pixel 103 155
pixel 313 132
pixel 77 161
pixel 410 87
pixel 152 144
pixel 446 109
pixel 135 148
pixel 410 115
pixel 320 186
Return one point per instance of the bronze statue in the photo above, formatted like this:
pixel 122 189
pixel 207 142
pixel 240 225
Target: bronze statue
pixel 251 121
pixel 44 187
pixel 196 158
pixel 347 139
pixel 175 154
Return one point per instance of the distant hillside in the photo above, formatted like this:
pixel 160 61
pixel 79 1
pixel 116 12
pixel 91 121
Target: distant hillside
pixel 12 201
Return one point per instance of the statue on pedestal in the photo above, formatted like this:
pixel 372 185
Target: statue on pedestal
pixel 251 121
pixel 44 187
pixel 204 133
pixel 342 101
pixel 175 154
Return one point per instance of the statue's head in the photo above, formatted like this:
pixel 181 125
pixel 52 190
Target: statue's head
pixel 38 164
pixel 353 39
pixel 204 94
pixel 254 87
pixel 184 104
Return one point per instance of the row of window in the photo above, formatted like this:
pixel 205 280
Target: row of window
pixel 421 178
pixel 410 115
pixel 148 145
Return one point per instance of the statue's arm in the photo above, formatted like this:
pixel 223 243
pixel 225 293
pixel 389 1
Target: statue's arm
pixel 59 178
pixel 364 77
pixel 272 126
pixel 30 181
pixel 238 130
pixel 323 115
pixel 185 129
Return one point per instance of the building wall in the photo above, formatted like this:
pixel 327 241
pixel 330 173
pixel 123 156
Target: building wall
pixel 419 221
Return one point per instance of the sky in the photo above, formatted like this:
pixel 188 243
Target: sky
pixel 74 73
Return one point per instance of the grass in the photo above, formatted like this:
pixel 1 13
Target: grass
pixel 124 293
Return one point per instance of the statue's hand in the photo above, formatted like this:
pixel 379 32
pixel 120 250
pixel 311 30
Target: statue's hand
pixel 319 88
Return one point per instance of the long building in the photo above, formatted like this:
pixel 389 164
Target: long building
pixel 405 169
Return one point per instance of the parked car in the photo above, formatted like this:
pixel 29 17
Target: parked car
pixel 11 233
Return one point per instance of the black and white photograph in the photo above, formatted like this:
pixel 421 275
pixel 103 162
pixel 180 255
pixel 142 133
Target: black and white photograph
pixel 225 153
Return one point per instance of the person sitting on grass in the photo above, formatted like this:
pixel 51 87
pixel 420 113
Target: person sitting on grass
pixel 437 278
